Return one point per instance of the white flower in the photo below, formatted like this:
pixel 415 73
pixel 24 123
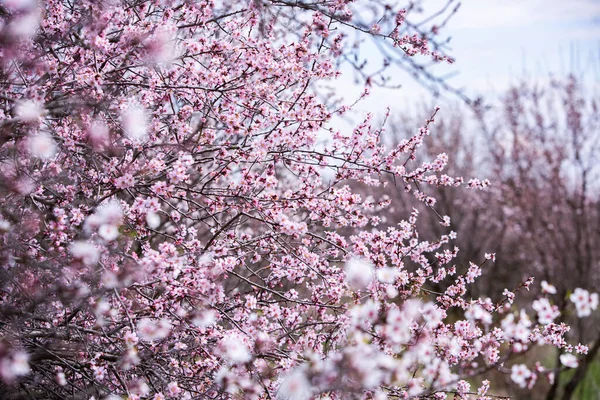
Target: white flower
pixel 584 302
pixel 42 146
pixel 569 360
pixel 476 312
pixel 108 232
pixel 20 365
pixel 153 220
pixel 234 350
pixel 29 111
pixel 4 226
pixel 134 120
pixel 149 329
pixel 359 272
pixel 548 288
pixel 547 313
pixel 86 252
pixel 295 386
pixel 14 366
pixel 520 374
pixel 204 319
pixel 594 301
pixel 109 213
pixel 61 379
pixel 431 314
pixel 387 274
pixel 98 134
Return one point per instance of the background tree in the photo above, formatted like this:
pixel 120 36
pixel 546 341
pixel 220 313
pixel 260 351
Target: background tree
pixel 538 144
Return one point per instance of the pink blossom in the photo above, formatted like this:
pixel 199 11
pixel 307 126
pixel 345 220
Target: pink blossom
pixel 584 302
pixel 42 145
pixel 149 329
pixel 569 360
pixel 295 386
pixel 359 272
pixel 173 389
pixel 234 350
pixel 134 120
pixel 86 252
pixel 548 288
pixel 108 232
pixel 14 366
pixel 520 374
pixel 29 111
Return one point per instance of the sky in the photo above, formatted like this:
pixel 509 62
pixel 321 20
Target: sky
pixel 497 43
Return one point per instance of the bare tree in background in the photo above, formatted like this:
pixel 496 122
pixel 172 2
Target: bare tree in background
pixel 539 145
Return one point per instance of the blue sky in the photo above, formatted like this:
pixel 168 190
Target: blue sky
pixel 496 43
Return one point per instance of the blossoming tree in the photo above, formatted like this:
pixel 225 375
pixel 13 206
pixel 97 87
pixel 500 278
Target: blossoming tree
pixel 177 219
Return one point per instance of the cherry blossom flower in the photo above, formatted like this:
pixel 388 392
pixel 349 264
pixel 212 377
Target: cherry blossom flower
pixel 204 318
pixel 547 313
pixel 359 272
pixel 278 270
pixel 42 145
pixel 153 220
pixel 29 111
pixel 61 379
pixel 520 374
pixel 569 360
pixel 108 232
pixel 387 274
pixel 134 120
pixel 150 329
pixel 14 366
pixel 295 386
pixel 584 302
pixel 548 288
pixel 173 389
pixel 86 252
pixel 234 350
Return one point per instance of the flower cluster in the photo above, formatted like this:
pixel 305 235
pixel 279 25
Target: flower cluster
pixel 167 228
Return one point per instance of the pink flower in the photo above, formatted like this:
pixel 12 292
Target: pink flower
pixel 151 329
pixel 134 121
pixel 125 181
pixel 86 252
pixel 548 288
pixel 295 386
pixel 42 146
pixel 173 389
pixel 359 272
pixel 547 313
pixel 520 374
pixel 569 360
pixel 99 372
pixel 234 350
pixel 14 366
pixel 584 302
pixel 29 111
